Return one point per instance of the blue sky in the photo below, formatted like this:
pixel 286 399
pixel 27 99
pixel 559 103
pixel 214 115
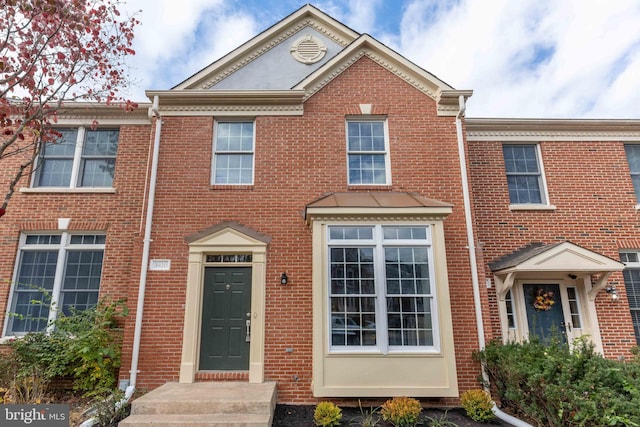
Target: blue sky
pixel 522 58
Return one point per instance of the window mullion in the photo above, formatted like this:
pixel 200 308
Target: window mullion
pixel 381 293
pixel 57 282
pixel 77 158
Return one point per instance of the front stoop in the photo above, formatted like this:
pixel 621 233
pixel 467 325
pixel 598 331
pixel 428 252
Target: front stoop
pixel 206 404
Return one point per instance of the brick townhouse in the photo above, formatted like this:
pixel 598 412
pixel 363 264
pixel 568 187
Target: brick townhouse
pixel 318 212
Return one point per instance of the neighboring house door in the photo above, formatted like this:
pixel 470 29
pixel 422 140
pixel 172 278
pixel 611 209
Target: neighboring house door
pixel 545 316
pixel 226 319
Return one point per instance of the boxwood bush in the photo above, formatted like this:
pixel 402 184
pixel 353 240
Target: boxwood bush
pixel 553 385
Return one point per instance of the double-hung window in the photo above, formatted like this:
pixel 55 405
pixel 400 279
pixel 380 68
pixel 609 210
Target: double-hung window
pixel 367 152
pixel 381 289
pixel 524 174
pixel 80 157
pixel 633 158
pixel 631 274
pixel 233 158
pixel 55 272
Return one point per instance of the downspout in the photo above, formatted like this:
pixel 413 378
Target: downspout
pixel 469 224
pixel 153 111
pixel 472 259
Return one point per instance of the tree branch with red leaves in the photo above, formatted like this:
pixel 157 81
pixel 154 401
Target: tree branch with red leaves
pixel 52 53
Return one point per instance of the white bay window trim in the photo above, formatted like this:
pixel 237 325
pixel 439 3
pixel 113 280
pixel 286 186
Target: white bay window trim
pixel 411 371
pixel 631 261
pixel 378 243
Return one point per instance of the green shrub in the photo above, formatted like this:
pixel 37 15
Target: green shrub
pixel 477 404
pixel 94 346
pixel 327 414
pixel 553 385
pixel 85 346
pixel 401 411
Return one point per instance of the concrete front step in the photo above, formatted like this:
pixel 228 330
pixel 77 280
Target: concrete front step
pixel 219 404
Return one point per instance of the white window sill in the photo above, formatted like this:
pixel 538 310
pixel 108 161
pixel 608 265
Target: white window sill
pixel 391 353
pixel 638 207
pixel 531 207
pixel 7 339
pixel 107 190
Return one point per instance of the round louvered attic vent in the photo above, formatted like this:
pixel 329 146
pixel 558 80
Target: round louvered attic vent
pixel 308 50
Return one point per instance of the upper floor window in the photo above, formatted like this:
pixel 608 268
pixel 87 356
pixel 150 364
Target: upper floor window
pixel 633 158
pixel 367 152
pixel 233 157
pixel 81 157
pixel 524 174
pixel 382 288
pixel 631 274
pixel 54 270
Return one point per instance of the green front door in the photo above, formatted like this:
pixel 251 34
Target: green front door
pixel 226 317
pixel 544 312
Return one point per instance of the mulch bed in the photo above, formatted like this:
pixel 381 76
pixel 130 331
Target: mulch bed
pixel 302 416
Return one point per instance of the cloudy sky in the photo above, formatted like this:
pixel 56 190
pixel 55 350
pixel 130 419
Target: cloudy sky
pixel 522 58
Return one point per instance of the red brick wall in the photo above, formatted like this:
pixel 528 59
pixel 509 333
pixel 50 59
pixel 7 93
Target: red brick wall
pixel 590 185
pixel 116 214
pixel 298 159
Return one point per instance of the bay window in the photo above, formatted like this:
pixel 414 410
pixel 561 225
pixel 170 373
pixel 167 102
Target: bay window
pixel 381 293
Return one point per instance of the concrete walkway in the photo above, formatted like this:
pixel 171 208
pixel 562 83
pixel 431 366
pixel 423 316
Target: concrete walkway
pixel 205 404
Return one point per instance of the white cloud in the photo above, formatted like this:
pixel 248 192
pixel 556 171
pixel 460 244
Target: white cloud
pixel 178 38
pixel 528 58
pixel 525 58
pixel 362 15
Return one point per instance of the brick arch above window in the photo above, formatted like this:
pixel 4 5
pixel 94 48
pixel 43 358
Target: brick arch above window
pixel 74 225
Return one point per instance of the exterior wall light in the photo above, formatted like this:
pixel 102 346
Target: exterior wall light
pixel 284 279
pixel 611 290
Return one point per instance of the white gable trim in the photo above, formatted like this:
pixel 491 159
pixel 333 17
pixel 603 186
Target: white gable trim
pixel 307 16
pixel 367 46
pixel 567 257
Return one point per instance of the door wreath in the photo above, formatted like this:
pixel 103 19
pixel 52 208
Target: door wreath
pixel 542 301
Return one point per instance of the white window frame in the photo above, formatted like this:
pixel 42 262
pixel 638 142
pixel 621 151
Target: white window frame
pixel 511 315
pixel 632 265
pixel 385 153
pixel 544 193
pixel 63 248
pixel 379 243
pixel 76 169
pixel 578 312
pixel 633 173
pixel 252 152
